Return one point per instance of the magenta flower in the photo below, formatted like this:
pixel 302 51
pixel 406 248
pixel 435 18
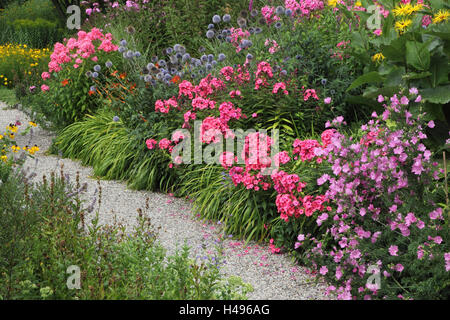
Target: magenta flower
pixel 323 270
pixel 393 250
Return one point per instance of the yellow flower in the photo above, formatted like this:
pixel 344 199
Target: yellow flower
pixel 401 25
pixel 3 158
pixel 402 10
pixel 377 57
pixel 358 4
pixel 442 15
pixel 33 150
pixel 332 3
pixel 15 148
pixel 31 123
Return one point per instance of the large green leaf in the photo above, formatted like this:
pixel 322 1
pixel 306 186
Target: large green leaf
pixel 395 77
pixel 417 55
pixel 371 77
pixel 438 95
pixel 395 52
pixel 415 76
pixel 439 70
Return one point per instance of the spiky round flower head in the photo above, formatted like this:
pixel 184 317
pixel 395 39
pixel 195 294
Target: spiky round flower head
pixel 179 56
pixel 216 18
pixel 210 57
pixel 162 63
pixel 108 64
pixel 94 74
pixel 201 49
pixel 258 30
pixel 241 22
pixel 254 13
pixel 279 10
pixel 197 62
pixel 323 81
pixel 177 47
pixel 219 37
pixel 201 72
pixel 225 32
pixel 332 91
pixel 278 25
pixel 283 72
pixel 123 42
pixel 173 70
pixel 208 66
pixel 226 18
pixel 249 56
pixel 214 63
pixel 169 50
pixel 210 26
pixel 116 119
pixel 92 88
pixel 182 50
pixel 150 66
pixel 288 12
pixel 167 76
pixel 154 59
pixel 153 82
pixel 244 14
pixel 185 57
pixel 228 39
pixel 88 74
pixel 122 49
pixel 130 29
pixel 210 34
pixel 137 54
pixel 204 58
pixel 159 75
pixel 97 68
pixel 251 30
pixel 173 59
pixel 298 57
pixel 221 57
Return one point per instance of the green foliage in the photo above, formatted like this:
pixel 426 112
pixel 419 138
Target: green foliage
pixel 115 153
pixel 8 96
pixel 43 232
pixel 33 23
pixel 416 57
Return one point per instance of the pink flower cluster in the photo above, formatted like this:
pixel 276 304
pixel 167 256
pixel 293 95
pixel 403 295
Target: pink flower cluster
pixel 268 14
pixel 80 49
pixel 304 7
pixel 237 36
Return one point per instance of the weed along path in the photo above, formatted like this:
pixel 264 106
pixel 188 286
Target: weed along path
pixel 272 276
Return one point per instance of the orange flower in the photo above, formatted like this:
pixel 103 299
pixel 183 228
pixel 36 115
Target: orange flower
pixel 122 75
pixel 133 86
pixel 91 92
pixel 64 82
pixel 176 79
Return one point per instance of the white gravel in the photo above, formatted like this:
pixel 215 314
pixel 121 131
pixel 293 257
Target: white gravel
pixel 273 276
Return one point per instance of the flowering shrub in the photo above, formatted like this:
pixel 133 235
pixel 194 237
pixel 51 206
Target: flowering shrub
pixel 388 219
pixel 65 87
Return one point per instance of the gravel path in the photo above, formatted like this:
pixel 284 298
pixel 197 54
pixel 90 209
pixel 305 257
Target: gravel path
pixel 272 276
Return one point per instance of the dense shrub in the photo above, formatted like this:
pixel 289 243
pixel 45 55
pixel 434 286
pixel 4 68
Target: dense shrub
pixel 43 232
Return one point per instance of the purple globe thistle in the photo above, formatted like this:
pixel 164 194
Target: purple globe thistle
pixel 279 10
pixel 147 78
pixel 94 74
pixel 116 119
pixel 288 12
pixel 185 57
pixel 210 26
pixel 97 68
pixel 169 50
pixel 108 64
pixel 210 57
pixel 221 57
pixel 214 63
pixel 130 54
pixel 122 49
pixel 278 25
pixel 210 34
pixel 249 56
pixel 204 58
pixel 92 88
pixel 216 19
pixel 226 18
pixel 123 42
